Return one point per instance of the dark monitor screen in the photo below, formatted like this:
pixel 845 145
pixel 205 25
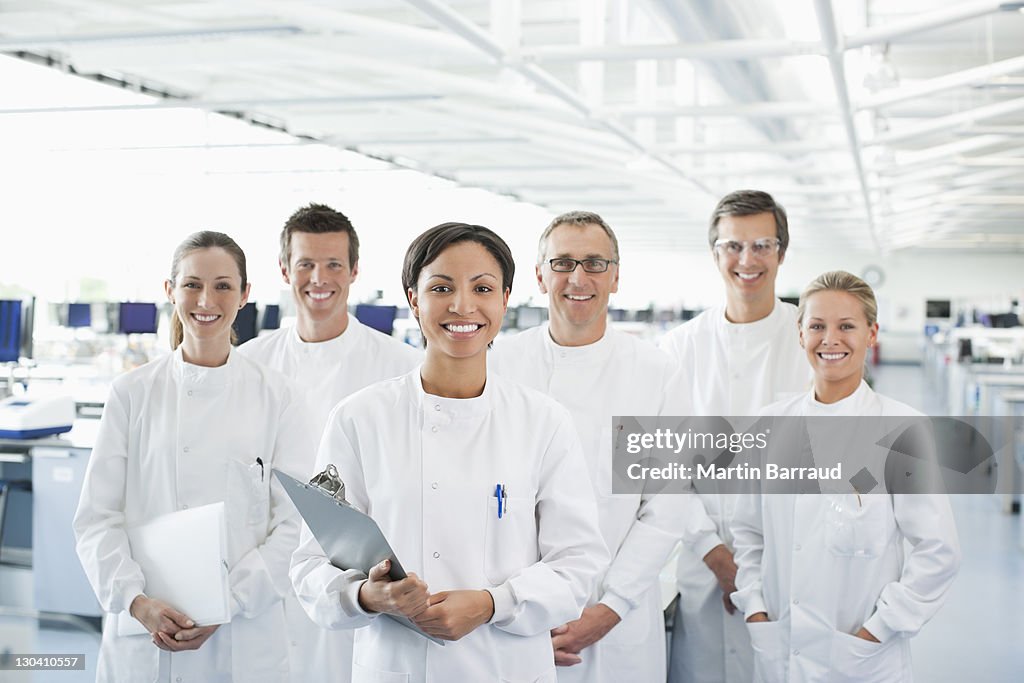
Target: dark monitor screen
pixel 245 323
pixel 136 318
pixel 79 315
pixel 271 317
pixel 380 318
pixel 795 300
pixel 937 308
pixel 10 331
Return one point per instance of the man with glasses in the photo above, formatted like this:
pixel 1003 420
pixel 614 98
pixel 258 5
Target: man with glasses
pixel 598 373
pixel 741 357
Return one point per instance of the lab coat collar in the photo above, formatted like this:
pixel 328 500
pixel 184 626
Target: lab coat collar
pixel 187 373
pixel 451 408
pixel 762 327
pixel 588 354
pixel 863 401
pixel 332 347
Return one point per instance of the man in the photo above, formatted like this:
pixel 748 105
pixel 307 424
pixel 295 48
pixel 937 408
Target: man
pixel 329 355
pixel 741 357
pixel 598 373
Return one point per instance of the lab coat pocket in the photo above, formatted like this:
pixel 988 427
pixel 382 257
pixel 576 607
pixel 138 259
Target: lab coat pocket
pixel 770 651
pixel 855 660
pixel 861 527
pixel 249 491
pixel 364 674
pixel 510 542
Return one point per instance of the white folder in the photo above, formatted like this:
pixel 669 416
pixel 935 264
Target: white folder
pixel 183 556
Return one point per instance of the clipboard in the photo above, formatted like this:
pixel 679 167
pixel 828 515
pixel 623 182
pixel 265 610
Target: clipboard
pixel 350 539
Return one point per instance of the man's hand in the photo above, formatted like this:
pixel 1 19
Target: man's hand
pixel 866 635
pixel 720 561
pixel 157 616
pixel 758 618
pixel 454 614
pixel 185 639
pixel 570 639
pixel 379 593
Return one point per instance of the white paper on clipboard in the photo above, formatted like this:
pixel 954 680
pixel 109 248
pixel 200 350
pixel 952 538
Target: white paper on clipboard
pixel 183 556
pixel 350 539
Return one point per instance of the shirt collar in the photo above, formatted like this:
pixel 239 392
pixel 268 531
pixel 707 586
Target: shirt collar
pixel 763 326
pixel 189 373
pixel 339 344
pixel 450 408
pixel 589 353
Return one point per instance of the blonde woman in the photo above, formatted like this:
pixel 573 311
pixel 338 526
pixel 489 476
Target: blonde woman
pixel 199 426
pixel 840 607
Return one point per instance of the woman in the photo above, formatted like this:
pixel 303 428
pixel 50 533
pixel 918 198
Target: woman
pixel 829 592
pixel 477 482
pixel 199 426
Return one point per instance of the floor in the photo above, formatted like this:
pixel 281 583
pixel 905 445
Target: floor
pixel 978 636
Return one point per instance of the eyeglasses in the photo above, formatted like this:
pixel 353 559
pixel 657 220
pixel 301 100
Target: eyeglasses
pixel 766 246
pixel 590 265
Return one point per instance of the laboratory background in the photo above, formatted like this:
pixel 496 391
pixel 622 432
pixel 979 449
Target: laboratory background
pixel 892 131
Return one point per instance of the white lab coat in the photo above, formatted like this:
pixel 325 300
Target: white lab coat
pixel 172 436
pixel 735 369
pixel 425 468
pixel 819 586
pixel 618 375
pixel 325 373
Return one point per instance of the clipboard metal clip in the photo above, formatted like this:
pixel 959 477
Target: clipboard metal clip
pixel 329 481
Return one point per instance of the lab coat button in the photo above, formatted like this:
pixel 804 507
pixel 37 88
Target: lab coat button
pixel 434 429
pixel 437 406
pixel 796 653
pixel 437 555
pixel 796 602
pixel 434 485
pixel 185 449
pixel 184 507
pixel 796 547
pixel 189 392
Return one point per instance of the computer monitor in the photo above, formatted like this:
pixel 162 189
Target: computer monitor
pixel 136 318
pixel 245 324
pixel 10 331
pixel 938 308
pixel 795 300
pixel 380 318
pixel 271 317
pixel 79 315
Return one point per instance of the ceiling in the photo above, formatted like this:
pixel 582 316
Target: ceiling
pixel 882 125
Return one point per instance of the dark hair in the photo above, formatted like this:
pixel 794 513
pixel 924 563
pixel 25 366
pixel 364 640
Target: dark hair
pixel 428 246
pixel 204 239
pixel 318 218
pixel 749 203
pixel 579 219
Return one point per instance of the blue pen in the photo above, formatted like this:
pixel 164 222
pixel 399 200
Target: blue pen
pixel 498 493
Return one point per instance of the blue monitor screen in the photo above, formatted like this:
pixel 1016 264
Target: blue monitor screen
pixel 271 317
pixel 380 318
pixel 245 323
pixel 79 315
pixel 137 318
pixel 10 331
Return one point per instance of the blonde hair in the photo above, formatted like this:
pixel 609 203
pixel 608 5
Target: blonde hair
pixel 841 281
pixel 204 239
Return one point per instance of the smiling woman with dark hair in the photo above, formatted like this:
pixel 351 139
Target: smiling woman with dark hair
pixel 477 482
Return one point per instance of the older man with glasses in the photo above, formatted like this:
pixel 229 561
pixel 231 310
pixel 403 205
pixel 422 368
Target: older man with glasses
pixel 741 357
pixel 598 373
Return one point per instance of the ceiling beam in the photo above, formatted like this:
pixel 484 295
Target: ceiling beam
pixel 50 41
pixel 830 37
pixel 469 31
pixel 925 21
pixel 931 86
pixel 945 123
pixel 714 50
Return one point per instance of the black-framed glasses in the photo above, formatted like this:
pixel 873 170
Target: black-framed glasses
pixel 590 265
